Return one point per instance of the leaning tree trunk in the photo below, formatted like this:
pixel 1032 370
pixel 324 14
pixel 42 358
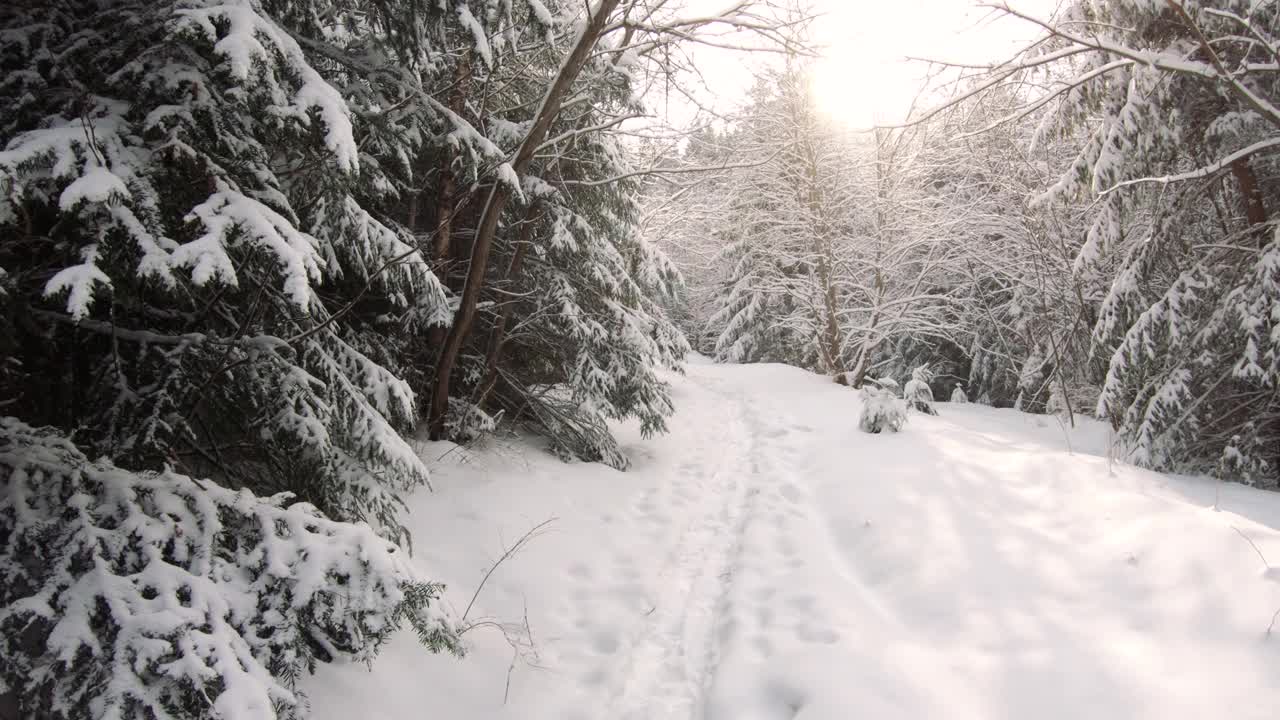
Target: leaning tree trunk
pixel 504 317
pixel 499 195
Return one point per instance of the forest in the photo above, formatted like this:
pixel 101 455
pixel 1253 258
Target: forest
pixel 256 255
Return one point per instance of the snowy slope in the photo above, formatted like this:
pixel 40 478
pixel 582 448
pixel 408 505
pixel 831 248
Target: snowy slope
pixel 766 560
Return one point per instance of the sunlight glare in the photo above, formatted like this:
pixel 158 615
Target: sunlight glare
pixel 863 77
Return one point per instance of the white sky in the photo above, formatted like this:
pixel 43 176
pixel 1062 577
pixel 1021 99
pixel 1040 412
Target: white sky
pixel 863 77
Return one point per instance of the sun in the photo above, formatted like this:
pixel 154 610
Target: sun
pixel 860 92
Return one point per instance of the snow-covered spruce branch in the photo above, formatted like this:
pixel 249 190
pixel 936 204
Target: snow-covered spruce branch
pixel 1212 71
pixel 165 596
pixel 1204 172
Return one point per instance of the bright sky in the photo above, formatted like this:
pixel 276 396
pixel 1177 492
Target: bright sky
pixel 863 77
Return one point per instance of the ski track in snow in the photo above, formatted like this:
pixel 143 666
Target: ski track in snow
pixel 672 652
pixel 743 499
pixel 767 561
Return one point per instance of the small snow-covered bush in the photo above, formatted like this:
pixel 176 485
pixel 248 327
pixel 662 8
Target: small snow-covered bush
pixel 887 384
pixel 917 393
pixel 881 408
pixel 156 595
pixel 578 430
pixel 467 422
pixel 958 395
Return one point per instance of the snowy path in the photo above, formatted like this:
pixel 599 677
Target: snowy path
pixel 766 561
pixel 665 668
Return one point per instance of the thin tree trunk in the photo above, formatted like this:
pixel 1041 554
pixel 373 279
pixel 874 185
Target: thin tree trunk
pixel 411 221
pixel 831 341
pixel 1256 213
pixel 499 195
pixel 1255 210
pixel 444 220
pixel 504 318
pixel 441 247
pixel 868 344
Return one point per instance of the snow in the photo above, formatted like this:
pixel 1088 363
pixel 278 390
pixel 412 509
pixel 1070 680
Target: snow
pixel 232 217
pixel 766 560
pixel 469 22
pixel 541 14
pixel 96 185
pixel 242 47
pixel 79 281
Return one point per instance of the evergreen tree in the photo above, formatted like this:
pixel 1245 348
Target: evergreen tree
pixel 1178 110
pixel 780 302
pixel 234 248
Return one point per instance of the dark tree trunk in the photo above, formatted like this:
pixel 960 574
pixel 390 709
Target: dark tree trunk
pixel 1255 211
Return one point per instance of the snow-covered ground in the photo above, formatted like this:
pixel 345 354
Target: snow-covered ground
pixel 766 560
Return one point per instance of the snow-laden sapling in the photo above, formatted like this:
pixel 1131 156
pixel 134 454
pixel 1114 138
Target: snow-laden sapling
pixel 917 393
pixel 882 409
pixel 156 595
pixel 958 395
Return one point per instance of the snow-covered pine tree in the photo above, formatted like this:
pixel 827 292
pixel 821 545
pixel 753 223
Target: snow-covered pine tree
pixel 202 261
pixel 754 316
pixel 576 335
pixel 566 331
pixel 561 320
pixel 1178 107
pixel 150 595
pixel 201 266
pixel 683 216
pixel 781 300
pixel 916 392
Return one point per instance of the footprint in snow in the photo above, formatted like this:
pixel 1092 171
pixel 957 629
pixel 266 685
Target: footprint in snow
pixel 803 603
pixel 605 643
pixel 763 646
pixel 791 492
pixel 764 617
pixel 727 630
pixel 786 548
pixel 822 636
